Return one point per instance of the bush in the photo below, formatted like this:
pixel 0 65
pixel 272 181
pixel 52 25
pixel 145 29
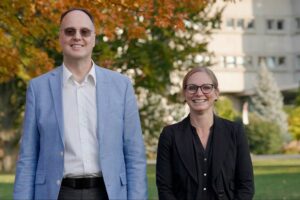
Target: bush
pixel 294 123
pixel 263 135
pixel 224 108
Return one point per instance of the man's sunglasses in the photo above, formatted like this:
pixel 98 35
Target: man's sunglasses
pixel 71 32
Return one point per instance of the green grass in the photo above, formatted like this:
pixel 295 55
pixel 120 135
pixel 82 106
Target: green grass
pixel 6 186
pixel 277 179
pixel 274 180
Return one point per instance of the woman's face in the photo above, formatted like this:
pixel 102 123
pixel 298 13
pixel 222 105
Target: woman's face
pixel 200 93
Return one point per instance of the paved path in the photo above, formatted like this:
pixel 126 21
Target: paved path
pixel 277 156
pixel 258 157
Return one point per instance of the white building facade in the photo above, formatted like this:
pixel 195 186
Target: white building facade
pixel 254 33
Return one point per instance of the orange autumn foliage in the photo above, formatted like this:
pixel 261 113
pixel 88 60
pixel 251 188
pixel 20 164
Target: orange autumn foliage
pixel 29 29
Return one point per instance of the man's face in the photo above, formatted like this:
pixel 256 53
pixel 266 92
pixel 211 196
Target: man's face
pixel 77 36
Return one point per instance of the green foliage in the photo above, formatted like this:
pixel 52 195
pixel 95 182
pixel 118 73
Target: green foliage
pixel 224 108
pixel 294 123
pixel 151 62
pixel 264 136
pixel 297 100
pixel 146 47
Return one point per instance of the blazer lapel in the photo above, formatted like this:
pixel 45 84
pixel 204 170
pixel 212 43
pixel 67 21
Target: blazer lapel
pixel 101 100
pixel 185 147
pixel 55 81
pixel 220 146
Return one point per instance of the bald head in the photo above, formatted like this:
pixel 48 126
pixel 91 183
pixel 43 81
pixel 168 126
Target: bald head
pixel 77 9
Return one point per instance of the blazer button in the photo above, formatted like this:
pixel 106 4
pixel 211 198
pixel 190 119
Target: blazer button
pixel 58 182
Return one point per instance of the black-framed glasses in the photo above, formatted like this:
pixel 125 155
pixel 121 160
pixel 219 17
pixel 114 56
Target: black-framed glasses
pixel 205 88
pixel 71 32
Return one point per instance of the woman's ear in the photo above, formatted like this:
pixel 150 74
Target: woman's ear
pixel 217 93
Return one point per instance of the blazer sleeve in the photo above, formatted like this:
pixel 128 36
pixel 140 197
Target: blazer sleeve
pixel 244 179
pixel 164 170
pixel 27 160
pixel 134 150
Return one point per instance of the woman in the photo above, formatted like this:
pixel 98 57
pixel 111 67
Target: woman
pixel 203 156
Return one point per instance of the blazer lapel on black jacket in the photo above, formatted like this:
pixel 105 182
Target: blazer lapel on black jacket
pixel 184 144
pixel 220 146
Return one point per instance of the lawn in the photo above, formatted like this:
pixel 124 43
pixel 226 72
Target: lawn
pixel 274 179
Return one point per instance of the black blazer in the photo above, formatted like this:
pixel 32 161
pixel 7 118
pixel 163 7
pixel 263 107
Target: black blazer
pixel 176 169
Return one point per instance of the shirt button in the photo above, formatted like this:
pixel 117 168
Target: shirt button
pixel 204 174
pixel 58 182
pixel 205 159
pixel 61 153
pixel 204 189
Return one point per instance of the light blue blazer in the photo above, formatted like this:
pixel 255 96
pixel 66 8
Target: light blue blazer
pixel 121 148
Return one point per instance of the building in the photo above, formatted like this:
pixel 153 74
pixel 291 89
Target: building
pixel 254 33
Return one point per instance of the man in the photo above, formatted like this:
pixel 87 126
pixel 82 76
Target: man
pixel 82 136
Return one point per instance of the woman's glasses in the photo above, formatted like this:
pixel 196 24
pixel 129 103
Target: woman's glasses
pixel 205 88
pixel 71 32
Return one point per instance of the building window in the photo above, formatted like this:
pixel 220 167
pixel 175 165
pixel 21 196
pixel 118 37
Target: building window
pixel 230 61
pixel 230 23
pixel 298 61
pixel 297 23
pixel 245 61
pixel 270 24
pixel 240 23
pixel 202 59
pixel 275 24
pixel 281 61
pixel 250 24
pixel 236 61
pixel 272 62
pixel 280 25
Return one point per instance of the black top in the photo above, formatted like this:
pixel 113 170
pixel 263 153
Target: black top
pixel 229 170
pixel 203 159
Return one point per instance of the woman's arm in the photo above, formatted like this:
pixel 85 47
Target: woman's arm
pixel 164 179
pixel 244 180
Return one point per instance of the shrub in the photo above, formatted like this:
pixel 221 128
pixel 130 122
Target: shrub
pixel 264 136
pixel 224 108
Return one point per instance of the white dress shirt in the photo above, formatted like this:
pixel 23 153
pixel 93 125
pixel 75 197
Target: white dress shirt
pixel 81 156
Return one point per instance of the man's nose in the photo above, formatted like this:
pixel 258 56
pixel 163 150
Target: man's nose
pixel 77 35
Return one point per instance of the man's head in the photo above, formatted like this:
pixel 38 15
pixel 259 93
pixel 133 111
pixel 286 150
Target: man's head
pixel 80 9
pixel 77 34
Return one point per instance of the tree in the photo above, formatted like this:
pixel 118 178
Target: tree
pixel 147 40
pixel 28 29
pixel 268 101
pixel 225 109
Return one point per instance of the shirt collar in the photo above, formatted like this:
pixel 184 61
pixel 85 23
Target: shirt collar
pixel 91 76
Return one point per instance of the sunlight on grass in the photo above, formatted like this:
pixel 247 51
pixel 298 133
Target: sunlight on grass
pixel 7 178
